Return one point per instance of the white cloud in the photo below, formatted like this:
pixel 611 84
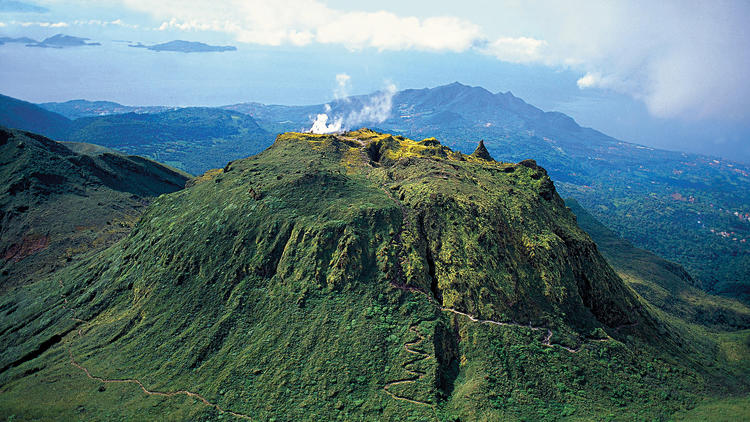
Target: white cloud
pixel 104 24
pixel 89 22
pixel 387 31
pixel 589 80
pixel 26 24
pixel 680 57
pixel 301 22
pixel 516 50
pixel 193 25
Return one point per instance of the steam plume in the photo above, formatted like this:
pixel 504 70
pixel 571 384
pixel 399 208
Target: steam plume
pixel 376 109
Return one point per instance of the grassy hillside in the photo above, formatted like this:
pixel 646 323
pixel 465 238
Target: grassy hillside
pixel 357 277
pixel 57 204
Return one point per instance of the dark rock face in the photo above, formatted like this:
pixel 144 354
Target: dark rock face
pixel 481 152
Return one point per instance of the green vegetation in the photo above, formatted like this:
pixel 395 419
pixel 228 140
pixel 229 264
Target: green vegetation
pixel 57 204
pixel 725 410
pixel 690 209
pixel 687 208
pixel 664 284
pixel 306 281
pixel 719 326
pixel 191 139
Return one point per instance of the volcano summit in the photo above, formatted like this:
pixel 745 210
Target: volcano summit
pixel 357 276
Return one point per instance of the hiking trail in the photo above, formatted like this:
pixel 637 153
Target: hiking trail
pixel 416 374
pixel 146 390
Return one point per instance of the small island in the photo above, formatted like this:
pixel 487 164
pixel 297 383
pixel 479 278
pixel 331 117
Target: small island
pixel 186 47
pixel 62 41
pixel 21 40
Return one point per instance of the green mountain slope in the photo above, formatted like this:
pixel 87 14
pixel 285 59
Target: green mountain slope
pixel 22 115
pixel 691 209
pixel 718 326
pixel 357 277
pixel 664 284
pixel 56 204
pixel 191 139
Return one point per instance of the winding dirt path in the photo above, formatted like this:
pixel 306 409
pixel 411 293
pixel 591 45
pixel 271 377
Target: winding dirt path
pixel 547 337
pixel 147 391
pixel 416 374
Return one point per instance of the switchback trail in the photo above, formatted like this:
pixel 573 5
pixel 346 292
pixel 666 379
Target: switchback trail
pixel 149 392
pixel 400 283
pixel 416 374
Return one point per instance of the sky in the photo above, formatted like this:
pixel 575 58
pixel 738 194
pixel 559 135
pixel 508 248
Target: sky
pixel 669 74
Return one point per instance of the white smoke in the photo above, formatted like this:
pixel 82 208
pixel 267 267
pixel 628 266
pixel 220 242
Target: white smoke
pixel 321 125
pixel 375 109
pixel 344 85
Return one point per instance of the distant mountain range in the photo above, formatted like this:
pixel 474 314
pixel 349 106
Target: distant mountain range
pixel 193 139
pixel 186 47
pixel 689 208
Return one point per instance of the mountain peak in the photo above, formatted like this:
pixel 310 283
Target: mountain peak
pixel 462 87
pixel 481 152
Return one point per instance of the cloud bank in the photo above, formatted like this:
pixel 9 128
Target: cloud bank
pixel 683 58
pixel 301 22
pixel 680 57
